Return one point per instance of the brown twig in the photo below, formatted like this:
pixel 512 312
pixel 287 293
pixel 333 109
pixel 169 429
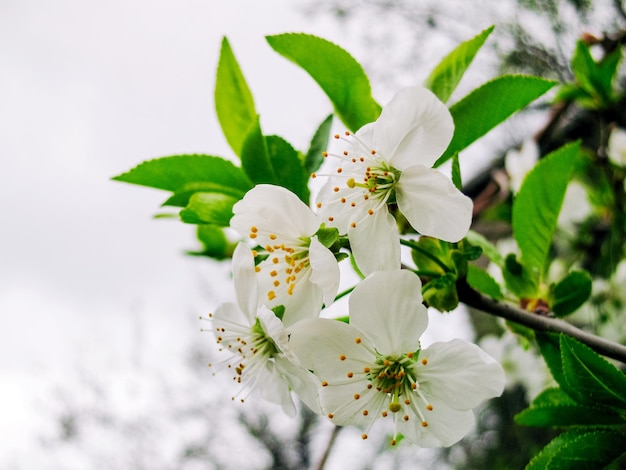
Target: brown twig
pixel 475 299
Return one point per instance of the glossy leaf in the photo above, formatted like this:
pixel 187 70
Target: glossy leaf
pixel 319 144
pixel 580 450
pixel 489 105
pixel 538 203
pixel 482 281
pixel 182 172
pixel 233 100
pixel 445 77
pixel 569 294
pixel 591 378
pixel 209 208
pixel 519 280
pixel 340 76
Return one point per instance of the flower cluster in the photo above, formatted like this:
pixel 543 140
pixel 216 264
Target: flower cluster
pixel 373 368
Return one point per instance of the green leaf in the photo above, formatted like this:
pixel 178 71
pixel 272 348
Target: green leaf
pixel 255 157
pixel 538 203
pixel 519 280
pixel 209 208
pixel 445 77
pixel 554 408
pixel 569 294
pixel 483 282
pixel 214 242
pixel 178 172
pixel 233 100
pixel 181 197
pixel 592 379
pixel 288 167
pixel 327 236
pixel 550 347
pixel 593 77
pixel 567 415
pixel 272 160
pixel 489 105
pixel 489 249
pixel 340 76
pixel 456 172
pixel 575 450
pixel 319 144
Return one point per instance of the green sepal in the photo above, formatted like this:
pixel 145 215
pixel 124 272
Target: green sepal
pixel 327 236
pixel 279 311
pixel 570 293
pixel 431 249
pixel 440 293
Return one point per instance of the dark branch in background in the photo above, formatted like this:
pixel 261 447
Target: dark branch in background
pixel 537 322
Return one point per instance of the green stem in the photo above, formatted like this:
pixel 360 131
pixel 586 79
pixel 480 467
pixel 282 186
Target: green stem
pixel 344 293
pixel 416 247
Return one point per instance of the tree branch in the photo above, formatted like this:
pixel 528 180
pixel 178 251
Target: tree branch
pixel 475 299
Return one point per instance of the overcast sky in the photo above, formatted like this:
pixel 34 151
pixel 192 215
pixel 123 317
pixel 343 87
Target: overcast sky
pixel 88 90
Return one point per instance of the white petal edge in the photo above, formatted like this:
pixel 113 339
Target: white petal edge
pixel 460 374
pixel 415 127
pixel 387 307
pixel 244 278
pixel 375 242
pixel 432 204
pixel 324 271
pixel 273 209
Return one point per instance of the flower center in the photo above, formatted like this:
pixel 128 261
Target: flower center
pixel 283 264
pixel 368 182
pixel 251 348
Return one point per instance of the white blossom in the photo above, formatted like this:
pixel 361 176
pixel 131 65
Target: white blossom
pixel 616 148
pixel 390 161
pixel 299 272
pixel 374 368
pixel 256 338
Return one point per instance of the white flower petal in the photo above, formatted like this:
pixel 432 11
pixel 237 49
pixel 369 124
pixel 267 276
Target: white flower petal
pixel 244 278
pixel 228 316
pixel 275 389
pixel 459 373
pixel 616 149
pixel 432 204
pixel 446 426
pixel 340 403
pixel 387 307
pixel 415 127
pixel 375 242
pixel 302 382
pixel 324 271
pixel 273 209
pixel 320 345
